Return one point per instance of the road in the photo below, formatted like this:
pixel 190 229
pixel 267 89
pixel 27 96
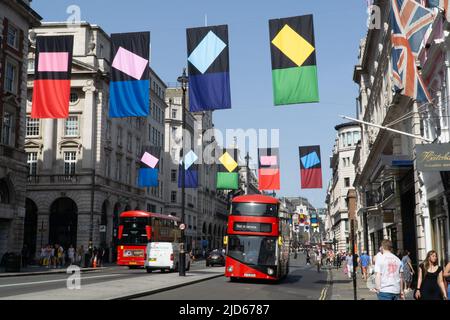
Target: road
pixel 13 286
pixel 303 283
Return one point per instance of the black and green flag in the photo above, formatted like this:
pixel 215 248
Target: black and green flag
pixel 228 170
pixel 294 69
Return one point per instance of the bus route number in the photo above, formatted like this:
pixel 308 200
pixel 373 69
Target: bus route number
pixel 233 310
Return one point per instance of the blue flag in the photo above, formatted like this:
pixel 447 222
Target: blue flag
pixel 148 178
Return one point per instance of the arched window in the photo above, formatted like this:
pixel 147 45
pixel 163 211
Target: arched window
pixel 4 192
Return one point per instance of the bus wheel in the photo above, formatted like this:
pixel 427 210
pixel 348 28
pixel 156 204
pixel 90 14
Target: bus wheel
pixel 233 279
pixel 149 270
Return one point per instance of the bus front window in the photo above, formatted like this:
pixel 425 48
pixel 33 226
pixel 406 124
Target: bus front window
pixel 134 232
pixel 255 209
pixel 249 250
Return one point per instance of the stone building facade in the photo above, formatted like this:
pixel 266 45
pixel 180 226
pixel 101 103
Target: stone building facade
pixel 16 18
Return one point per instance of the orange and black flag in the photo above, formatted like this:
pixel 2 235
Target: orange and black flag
pixel 294 68
pixel 53 69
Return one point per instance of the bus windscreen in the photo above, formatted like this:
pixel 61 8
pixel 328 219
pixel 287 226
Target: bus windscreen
pixel 134 232
pixel 255 209
pixel 257 251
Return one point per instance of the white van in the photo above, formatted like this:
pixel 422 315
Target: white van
pixel 164 256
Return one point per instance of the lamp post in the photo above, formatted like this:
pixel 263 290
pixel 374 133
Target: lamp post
pixel 183 79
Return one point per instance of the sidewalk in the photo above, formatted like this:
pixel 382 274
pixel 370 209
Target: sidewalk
pixel 342 287
pixel 124 289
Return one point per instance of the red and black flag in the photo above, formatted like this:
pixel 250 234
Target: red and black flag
pixel 53 65
pixel 269 169
pixel 311 167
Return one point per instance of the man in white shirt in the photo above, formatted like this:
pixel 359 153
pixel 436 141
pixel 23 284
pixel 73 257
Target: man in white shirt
pixel 389 274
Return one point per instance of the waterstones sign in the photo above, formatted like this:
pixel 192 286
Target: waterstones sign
pixel 433 157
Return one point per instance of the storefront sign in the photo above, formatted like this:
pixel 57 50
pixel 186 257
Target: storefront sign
pixel 388 216
pixel 433 157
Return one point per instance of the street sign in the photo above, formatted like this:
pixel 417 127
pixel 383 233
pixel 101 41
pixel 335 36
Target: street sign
pixel 102 228
pixel 182 227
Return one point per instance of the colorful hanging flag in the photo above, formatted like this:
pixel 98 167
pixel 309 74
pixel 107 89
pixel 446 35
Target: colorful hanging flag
pixel 191 177
pixel 130 75
pixel 294 69
pixel 311 167
pixel 228 174
pixel 209 71
pixel 269 169
pixel 148 178
pixel 407 79
pixel 53 70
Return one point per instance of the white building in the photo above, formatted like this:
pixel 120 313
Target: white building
pixel 83 170
pixel 16 18
pixel 348 136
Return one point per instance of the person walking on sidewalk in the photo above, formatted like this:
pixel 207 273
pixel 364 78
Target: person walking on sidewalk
pixel 430 285
pixel 349 262
pixel 365 263
pixel 389 274
pixel 408 270
pixel 447 278
pixel 71 255
pixel 319 259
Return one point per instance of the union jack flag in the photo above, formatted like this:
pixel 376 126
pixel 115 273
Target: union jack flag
pixel 441 4
pixel 410 22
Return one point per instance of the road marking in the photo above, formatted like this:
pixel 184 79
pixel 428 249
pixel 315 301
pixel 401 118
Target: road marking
pixel 50 281
pixel 323 294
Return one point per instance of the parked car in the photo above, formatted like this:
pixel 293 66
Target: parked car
pixel 215 257
pixel 164 256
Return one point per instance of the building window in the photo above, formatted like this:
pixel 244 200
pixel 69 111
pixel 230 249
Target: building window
pixel 119 137
pixel 128 172
pixel 71 128
pixel 13 37
pixel 70 160
pixel 138 147
pixel 31 64
pixel 356 137
pixel 73 97
pixel 10 77
pixel 149 133
pixel 347 182
pixel 173 175
pixel 8 121
pixel 107 165
pixel 173 197
pixel 118 169
pixel 32 127
pixel 32 163
pixel 108 130
pixel 4 192
pixel 130 142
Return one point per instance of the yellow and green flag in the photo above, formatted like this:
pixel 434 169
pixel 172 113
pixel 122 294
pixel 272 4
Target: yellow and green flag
pixel 294 68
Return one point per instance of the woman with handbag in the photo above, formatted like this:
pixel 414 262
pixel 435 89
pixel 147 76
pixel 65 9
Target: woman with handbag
pixel 430 285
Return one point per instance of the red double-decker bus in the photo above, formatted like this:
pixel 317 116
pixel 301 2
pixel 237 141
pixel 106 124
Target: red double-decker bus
pixel 137 229
pixel 257 239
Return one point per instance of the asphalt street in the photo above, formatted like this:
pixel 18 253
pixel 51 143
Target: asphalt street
pixel 302 283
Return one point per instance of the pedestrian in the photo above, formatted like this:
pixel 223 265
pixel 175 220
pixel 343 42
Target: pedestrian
pixel 308 258
pixel 389 274
pixel 71 255
pixel 365 263
pixel 42 257
pixel 80 256
pixel 100 254
pixel 447 278
pixel 25 256
pixel 349 262
pixel 430 284
pixel 408 270
pixel 53 255
pixel 378 255
pixel 319 259
pixel 60 255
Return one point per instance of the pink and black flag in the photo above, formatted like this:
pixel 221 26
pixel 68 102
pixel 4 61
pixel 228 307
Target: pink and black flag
pixel 311 167
pixel 130 75
pixel 53 69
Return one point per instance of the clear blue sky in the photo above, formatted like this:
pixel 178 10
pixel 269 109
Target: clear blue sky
pixel 339 26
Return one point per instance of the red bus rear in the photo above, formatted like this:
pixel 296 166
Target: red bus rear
pixel 137 229
pixel 257 239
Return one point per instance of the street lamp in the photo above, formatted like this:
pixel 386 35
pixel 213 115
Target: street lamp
pixel 183 79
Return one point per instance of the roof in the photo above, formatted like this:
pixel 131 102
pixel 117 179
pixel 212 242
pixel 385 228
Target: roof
pixel 143 214
pixel 256 198
pixel 347 125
